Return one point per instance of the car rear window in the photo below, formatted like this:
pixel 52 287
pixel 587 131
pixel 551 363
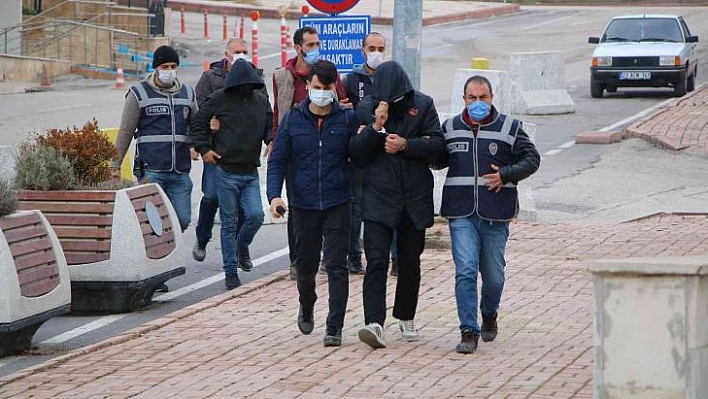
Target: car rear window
pixel 643 29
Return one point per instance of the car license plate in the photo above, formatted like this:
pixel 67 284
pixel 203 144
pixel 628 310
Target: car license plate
pixel 635 75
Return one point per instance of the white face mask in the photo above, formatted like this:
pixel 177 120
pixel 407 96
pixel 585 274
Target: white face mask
pixel 321 98
pixel 374 59
pixel 167 76
pixel 239 56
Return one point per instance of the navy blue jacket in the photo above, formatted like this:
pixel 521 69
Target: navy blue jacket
pixel 315 160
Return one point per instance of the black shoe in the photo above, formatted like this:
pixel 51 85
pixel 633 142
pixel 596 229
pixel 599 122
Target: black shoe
pixel 333 337
pixel 394 267
pixel 232 281
pixel 354 265
pixel 162 288
pixel 244 259
pixel 489 327
pixel 468 343
pixel 199 251
pixel 305 321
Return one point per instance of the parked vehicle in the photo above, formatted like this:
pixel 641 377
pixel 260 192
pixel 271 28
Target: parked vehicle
pixel 644 51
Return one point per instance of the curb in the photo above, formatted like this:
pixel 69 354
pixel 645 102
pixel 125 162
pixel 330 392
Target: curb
pixel 636 129
pixel 598 137
pixel 272 13
pixel 146 327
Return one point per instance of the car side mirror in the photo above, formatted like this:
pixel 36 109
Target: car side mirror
pixel 595 40
pixel 691 39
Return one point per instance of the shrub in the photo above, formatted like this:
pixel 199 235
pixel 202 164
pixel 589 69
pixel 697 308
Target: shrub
pixel 8 198
pixel 89 150
pixel 43 168
pixel 112 185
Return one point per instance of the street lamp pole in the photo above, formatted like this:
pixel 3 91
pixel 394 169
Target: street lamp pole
pixel 407 30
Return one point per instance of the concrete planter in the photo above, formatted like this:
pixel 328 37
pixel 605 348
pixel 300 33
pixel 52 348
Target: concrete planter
pixel 35 282
pixel 120 246
pixel 651 327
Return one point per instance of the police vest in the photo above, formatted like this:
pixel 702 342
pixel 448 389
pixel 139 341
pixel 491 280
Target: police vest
pixel 162 129
pixel 470 158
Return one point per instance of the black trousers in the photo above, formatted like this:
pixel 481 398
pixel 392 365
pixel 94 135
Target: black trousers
pixel 377 243
pixel 326 231
pixel 292 238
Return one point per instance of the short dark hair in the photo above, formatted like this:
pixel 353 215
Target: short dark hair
pixel 363 42
pixel 325 71
pixel 297 37
pixel 479 79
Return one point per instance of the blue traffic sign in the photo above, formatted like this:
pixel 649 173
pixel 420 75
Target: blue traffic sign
pixel 340 38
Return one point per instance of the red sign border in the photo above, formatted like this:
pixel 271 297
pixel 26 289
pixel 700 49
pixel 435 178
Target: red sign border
pixel 330 8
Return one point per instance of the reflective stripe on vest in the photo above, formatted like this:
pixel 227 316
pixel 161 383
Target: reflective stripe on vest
pixel 162 139
pixel 470 158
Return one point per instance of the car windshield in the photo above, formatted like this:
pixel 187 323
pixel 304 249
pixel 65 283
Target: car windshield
pixel 643 30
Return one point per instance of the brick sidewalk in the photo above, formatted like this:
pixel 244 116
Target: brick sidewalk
pixel 682 125
pixel 245 342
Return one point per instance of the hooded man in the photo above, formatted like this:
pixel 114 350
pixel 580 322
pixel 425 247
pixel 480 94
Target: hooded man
pixel 245 119
pixel 401 137
pixel 211 81
pixel 158 111
pixel 358 86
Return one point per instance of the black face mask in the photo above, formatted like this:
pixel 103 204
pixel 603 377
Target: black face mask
pixel 244 90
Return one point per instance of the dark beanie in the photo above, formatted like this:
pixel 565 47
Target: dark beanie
pixel 164 54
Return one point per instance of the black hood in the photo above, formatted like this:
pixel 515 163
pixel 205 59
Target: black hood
pixel 391 83
pixel 242 73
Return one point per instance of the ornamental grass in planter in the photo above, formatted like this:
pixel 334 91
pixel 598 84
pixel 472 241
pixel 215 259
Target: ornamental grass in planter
pixel 118 239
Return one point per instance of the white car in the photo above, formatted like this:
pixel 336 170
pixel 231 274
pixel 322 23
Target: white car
pixel 644 51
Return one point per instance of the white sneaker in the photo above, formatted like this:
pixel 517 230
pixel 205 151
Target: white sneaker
pixel 408 331
pixel 373 335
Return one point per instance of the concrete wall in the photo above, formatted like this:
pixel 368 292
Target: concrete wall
pixel 10 15
pixel 30 69
pixel 651 327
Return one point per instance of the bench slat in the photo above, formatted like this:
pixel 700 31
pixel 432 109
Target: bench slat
pixel 37 273
pixel 68 207
pixel 25 248
pixel 36 231
pixel 142 191
pixel 162 211
pixel 85 246
pixel 72 220
pixel 160 251
pixel 34 260
pixel 78 232
pixel 73 258
pixel 12 223
pixel 39 288
pixel 62 195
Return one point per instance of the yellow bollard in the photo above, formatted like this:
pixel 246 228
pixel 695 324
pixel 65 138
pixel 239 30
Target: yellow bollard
pixel 480 63
pixel 126 168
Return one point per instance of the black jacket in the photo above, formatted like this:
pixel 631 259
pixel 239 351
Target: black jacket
pixel 245 121
pixel 357 84
pixel 398 182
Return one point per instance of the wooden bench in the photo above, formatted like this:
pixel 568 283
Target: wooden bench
pixel 157 247
pixel 31 249
pixel 82 221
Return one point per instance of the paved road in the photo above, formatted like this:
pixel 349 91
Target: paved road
pixel 576 182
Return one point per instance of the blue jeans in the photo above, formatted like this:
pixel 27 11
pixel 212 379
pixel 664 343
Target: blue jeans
pixel 209 205
pixel 237 191
pixel 478 247
pixel 178 188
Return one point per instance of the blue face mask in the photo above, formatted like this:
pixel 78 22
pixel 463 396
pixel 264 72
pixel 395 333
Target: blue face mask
pixel 478 110
pixel 311 57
